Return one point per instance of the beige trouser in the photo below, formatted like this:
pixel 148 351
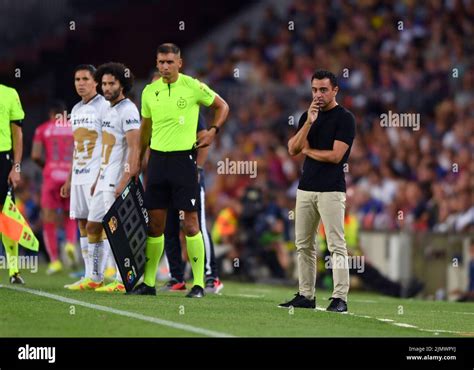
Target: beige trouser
pixel 311 207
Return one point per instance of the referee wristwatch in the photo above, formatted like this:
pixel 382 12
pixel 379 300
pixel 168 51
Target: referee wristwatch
pixel 215 127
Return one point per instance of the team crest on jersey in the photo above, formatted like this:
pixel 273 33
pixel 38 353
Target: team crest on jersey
pixel 113 224
pixel 181 103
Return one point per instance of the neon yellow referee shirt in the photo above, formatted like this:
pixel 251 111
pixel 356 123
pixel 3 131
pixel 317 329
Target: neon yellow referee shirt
pixel 10 110
pixel 174 110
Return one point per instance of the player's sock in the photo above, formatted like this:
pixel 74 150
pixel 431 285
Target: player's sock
pixel 11 248
pixel 70 226
pixel 51 240
pixel 153 252
pixel 90 250
pixel 195 246
pixel 85 255
pixel 118 277
pixel 97 260
pixel 110 268
pixel 105 257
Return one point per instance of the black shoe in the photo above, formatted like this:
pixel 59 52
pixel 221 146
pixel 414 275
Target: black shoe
pixel 195 292
pixel 142 289
pixel 299 301
pixel 17 279
pixel 337 305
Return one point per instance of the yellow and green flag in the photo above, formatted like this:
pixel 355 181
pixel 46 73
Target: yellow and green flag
pixel 13 225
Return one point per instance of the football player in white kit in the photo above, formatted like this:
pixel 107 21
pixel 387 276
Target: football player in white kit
pixel 86 122
pixel 119 158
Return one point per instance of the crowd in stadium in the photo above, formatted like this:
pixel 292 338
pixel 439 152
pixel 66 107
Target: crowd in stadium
pixel 406 58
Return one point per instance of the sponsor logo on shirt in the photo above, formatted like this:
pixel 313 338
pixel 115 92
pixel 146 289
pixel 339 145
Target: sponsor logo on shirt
pixel 84 121
pixel 82 171
pixel 132 120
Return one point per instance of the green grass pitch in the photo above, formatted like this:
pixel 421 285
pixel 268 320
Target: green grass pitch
pixel 242 310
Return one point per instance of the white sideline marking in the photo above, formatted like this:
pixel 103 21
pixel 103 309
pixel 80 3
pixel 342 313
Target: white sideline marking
pixel 437 331
pixel 132 315
pixel 406 325
pixel 250 295
pixel 363 301
pixel 403 325
pixel 258 290
pixel 462 313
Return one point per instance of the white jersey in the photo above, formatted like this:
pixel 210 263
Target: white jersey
pixel 117 120
pixel 86 121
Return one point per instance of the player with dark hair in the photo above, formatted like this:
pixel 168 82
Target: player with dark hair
pixel 170 109
pixel 120 154
pixel 86 122
pixel 53 145
pixel 120 73
pixel 325 135
pixel 11 152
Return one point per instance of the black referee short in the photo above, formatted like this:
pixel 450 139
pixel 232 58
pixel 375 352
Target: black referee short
pixel 172 181
pixel 6 162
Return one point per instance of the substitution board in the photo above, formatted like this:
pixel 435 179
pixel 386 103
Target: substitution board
pixel 126 227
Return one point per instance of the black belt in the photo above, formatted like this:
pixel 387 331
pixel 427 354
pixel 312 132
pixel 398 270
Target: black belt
pixel 4 154
pixel 174 153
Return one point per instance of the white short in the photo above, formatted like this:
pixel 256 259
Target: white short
pixel 100 204
pixel 80 201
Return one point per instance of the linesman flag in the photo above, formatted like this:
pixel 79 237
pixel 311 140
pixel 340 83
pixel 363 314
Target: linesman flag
pixel 13 225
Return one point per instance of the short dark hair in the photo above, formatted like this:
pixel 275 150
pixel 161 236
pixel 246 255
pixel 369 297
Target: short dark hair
pixel 57 107
pixel 119 71
pixel 85 67
pixel 321 74
pixel 168 47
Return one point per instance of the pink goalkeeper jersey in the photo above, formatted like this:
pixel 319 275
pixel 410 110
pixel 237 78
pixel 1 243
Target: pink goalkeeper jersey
pixel 58 144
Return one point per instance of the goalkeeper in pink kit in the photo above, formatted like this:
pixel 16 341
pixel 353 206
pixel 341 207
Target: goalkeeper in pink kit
pixel 53 146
